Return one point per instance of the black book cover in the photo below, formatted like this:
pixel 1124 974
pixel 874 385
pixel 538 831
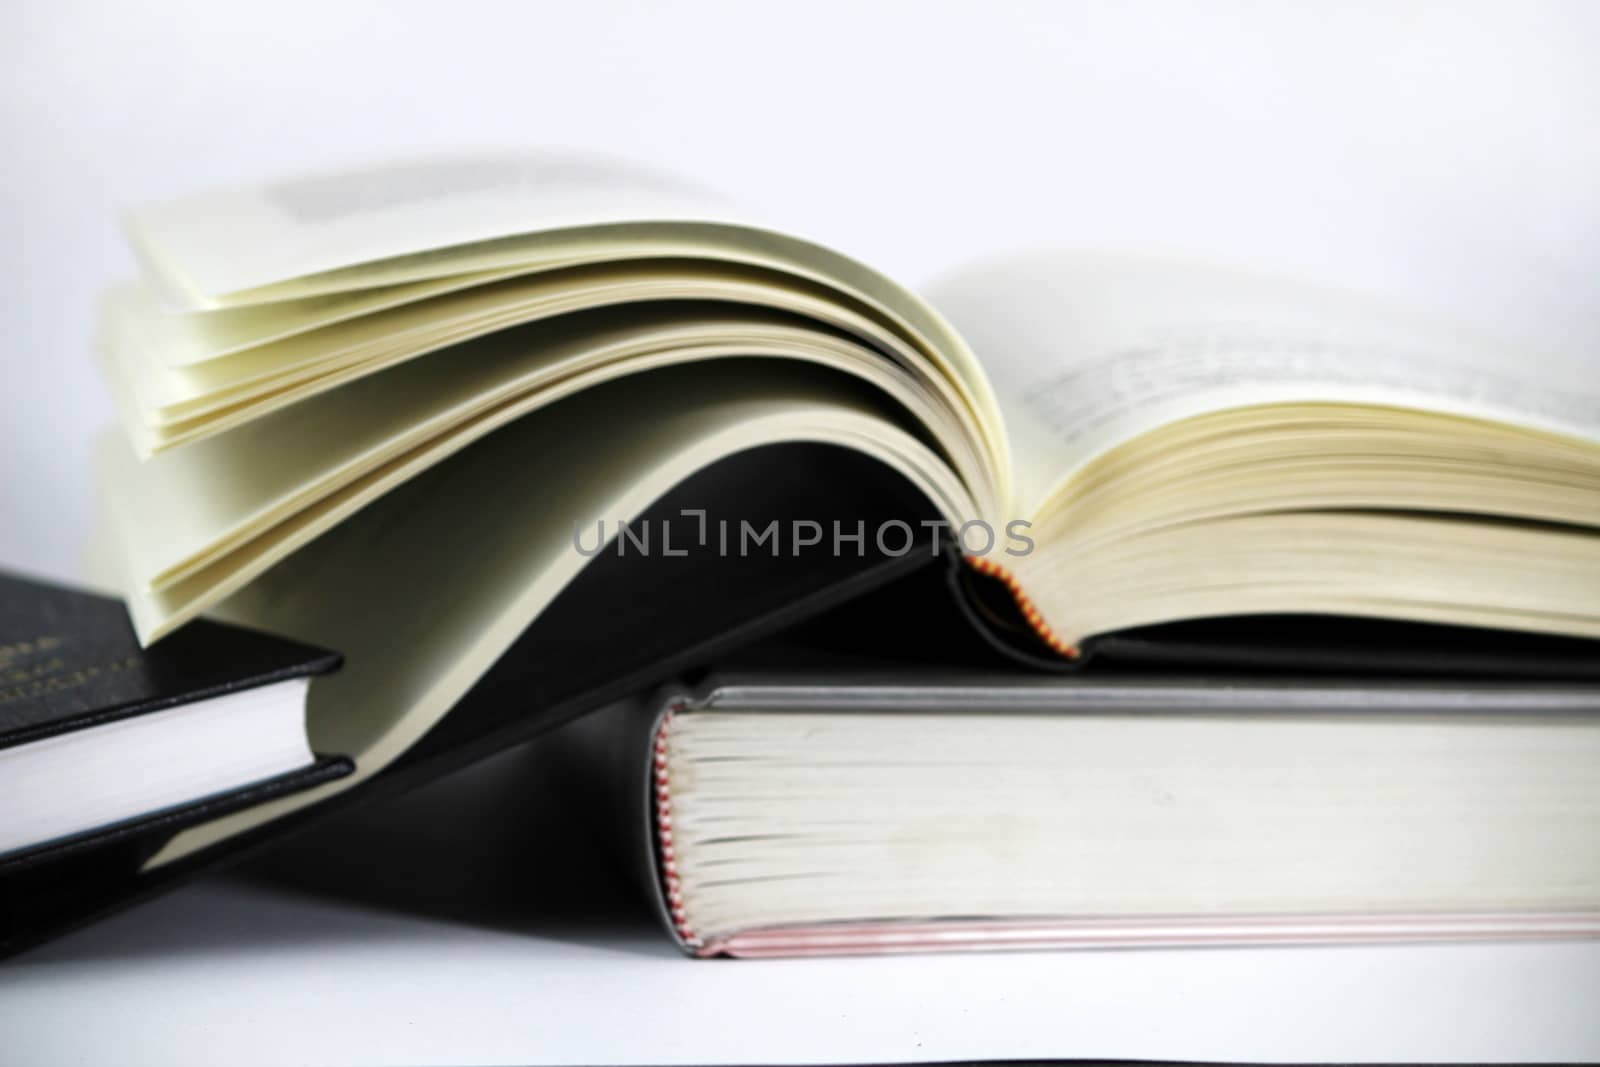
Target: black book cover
pixel 69 660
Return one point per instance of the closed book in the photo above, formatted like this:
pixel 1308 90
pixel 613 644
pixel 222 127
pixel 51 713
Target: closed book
pixel 861 809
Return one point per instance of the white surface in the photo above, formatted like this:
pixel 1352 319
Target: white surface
pixel 222 973
pixel 1442 152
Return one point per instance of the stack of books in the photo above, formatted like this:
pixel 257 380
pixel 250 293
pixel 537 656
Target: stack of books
pixel 1164 602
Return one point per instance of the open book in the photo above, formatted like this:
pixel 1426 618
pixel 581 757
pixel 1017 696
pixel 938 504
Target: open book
pixel 396 412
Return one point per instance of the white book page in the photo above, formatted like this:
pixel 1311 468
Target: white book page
pixel 210 247
pixel 290 246
pixel 229 496
pixel 1086 350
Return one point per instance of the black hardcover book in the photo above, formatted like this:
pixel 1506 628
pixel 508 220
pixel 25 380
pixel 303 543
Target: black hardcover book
pixel 102 741
pixel 70 662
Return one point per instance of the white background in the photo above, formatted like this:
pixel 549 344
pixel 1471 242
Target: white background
pixel 1445 153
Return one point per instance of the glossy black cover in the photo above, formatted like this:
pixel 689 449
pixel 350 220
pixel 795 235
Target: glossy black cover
pixel 69 660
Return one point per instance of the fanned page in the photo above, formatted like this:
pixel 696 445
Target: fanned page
pixel 345 333
pixel 304 348
pixel 321 234
pixel 275 263
pixel 204 519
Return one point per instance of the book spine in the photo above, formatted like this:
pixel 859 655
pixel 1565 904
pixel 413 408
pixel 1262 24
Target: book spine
pixel 668 888
pixel 1030 611
pixel 671 886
